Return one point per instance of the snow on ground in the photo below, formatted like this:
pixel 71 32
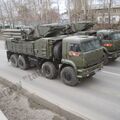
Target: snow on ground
pixel 17 107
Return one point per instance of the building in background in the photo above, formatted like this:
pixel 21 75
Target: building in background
pixel 96 12
pixel 102 16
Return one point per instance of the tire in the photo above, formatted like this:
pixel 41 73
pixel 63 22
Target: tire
pixel 106 60
pixel 22 63
pixel 68 76
pixel 57 51
pixel 14 60
pixel 49 70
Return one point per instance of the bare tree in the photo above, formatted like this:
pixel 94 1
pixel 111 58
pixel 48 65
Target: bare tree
pixel 109 10
pixel 2 17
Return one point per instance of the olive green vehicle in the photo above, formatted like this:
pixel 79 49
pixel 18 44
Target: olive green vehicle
pixel 73 57
pixel 110 40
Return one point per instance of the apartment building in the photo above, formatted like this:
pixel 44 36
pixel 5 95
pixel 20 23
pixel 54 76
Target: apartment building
pixel 102 16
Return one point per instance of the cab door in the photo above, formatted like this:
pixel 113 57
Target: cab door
pixel 106 41
pixel 116 40
pixel 74 53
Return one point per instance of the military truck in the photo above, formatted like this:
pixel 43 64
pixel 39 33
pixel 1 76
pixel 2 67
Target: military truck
pixel 72 57
pixel 110 40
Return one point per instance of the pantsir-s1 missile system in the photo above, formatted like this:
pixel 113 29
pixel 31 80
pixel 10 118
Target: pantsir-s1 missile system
pixel 54 52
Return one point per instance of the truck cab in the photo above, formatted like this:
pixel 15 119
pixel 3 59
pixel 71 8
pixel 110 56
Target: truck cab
pixel 82 56
pixel 110 40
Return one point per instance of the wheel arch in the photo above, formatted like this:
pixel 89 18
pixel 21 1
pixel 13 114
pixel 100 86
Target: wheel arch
pixel 66 63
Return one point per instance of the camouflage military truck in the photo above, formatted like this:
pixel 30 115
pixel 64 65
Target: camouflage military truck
pixel 110 40
pixel 73 57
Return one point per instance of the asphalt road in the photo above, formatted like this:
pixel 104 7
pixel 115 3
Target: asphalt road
pixel 97 98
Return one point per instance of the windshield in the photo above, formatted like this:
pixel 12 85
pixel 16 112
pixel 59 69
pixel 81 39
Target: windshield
pixel 90 45
pixel 116 36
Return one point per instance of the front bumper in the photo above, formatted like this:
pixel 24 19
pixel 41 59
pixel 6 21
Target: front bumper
pixel 83 73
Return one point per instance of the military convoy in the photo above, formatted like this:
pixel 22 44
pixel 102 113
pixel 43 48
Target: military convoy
pixel 50 48
pixel 62 50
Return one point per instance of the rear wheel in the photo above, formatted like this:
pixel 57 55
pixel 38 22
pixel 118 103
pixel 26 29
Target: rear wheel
pixel 14 60
pixel 22 63
pixel 49 70
pixel 68 76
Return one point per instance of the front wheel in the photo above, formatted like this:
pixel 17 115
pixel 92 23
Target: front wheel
pixel 68 76
pixel 49 70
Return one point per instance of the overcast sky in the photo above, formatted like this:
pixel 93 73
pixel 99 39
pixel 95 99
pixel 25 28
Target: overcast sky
pixel 63 6
pixel 61 3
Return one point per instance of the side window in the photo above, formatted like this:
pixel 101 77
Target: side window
pixel 105 37
pixel 75 47
pixel 100 36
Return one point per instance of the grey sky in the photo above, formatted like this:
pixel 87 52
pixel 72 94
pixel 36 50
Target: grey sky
pixel 63 6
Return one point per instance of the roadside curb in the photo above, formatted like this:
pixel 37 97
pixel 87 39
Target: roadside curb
pixel 41 101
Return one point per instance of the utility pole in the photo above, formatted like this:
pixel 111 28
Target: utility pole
pixel 68 7
pixel 58 7
pixel 109 11
pixel 85 8
pixel 41 10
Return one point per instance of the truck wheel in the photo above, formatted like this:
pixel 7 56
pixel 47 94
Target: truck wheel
pixel 57 51
pixel 22 63
pixel 14 60
pixel 49 70
pixel 106 60
pixel 68 76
